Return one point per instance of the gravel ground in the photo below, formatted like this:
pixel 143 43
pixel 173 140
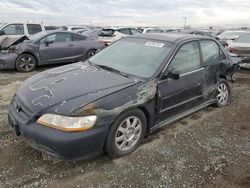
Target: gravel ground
pixel 210 148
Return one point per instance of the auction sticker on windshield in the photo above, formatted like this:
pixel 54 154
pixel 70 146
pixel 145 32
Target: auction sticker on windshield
pixel 154 44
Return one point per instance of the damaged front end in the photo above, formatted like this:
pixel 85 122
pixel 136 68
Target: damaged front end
pixel 8 44
pixel 8 51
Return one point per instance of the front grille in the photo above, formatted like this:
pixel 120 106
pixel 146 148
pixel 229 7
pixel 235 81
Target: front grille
pixel 22 112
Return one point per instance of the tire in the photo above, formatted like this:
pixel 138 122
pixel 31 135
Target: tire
pixel 126 133
pixel 223 93
pixel 90 53
pixel 26 63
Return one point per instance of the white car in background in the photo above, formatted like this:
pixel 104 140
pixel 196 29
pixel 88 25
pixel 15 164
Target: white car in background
pixel 14 33
pixel 73 28
pixel 240 50
pixel 110 35
pixel 152 30
pixel 226 36
pixel 81 31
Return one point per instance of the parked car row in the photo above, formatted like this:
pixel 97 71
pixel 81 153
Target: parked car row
pixel 82 42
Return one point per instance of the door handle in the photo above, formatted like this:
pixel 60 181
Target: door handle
pixel 71 45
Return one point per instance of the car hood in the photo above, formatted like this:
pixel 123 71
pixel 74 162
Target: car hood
pixel 6 42
pixel 62 90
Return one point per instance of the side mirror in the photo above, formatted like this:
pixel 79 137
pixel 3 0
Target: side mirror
pixel 2 32
pixel 173 74
pixel 47 42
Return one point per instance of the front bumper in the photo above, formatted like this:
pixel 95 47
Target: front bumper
pixel 7 60
pixel 59 144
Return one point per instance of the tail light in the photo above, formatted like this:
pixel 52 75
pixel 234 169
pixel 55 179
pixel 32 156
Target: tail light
pixel 106 43
pixel 231 49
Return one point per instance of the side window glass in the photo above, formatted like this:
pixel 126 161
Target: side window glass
pixel 187 58
pixel 48 38
pixel 210 52
pixel 14 29
pixel 34 28
pixel 63 37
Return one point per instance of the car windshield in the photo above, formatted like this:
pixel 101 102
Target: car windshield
pixel 37 36
pixel 138 57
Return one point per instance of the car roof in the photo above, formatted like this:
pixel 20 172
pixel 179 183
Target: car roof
pixel 169 37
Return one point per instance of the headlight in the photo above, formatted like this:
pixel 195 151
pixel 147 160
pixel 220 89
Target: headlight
pixel 66 123
pixel 12 49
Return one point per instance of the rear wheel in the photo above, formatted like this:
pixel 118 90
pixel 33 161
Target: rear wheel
pixel 223 93
pixel 90 53
pixel 126 133
pixel 26 63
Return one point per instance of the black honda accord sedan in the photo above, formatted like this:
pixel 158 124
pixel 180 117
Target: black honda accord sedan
pixel 111 101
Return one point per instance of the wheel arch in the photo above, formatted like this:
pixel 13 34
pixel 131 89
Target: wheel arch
pixel 30 53
pixel 143 109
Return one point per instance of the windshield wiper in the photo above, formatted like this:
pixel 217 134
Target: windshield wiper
pixel 113 70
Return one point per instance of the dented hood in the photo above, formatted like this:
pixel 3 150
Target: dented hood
pixel 6 42
pixel 63 90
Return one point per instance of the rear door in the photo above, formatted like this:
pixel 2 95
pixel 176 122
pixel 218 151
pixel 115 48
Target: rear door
pixel 60 50
pixel 81 45
pixel 179 95
pixel 212 58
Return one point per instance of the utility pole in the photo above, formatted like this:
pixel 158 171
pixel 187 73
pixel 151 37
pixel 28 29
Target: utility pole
pixel 185 22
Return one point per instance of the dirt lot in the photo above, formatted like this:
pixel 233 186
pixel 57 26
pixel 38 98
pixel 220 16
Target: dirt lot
pixel 210 148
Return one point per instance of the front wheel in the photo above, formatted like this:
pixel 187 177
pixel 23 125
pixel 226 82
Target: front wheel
pixel 26 63
pixel 223 93
pixel 126 133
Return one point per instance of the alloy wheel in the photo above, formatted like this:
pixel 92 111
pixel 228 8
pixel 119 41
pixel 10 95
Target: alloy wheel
pixel 128 133
pixel 26 63
pixel 223 95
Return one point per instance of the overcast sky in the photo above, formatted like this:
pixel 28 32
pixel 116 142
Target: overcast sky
pixel 128 12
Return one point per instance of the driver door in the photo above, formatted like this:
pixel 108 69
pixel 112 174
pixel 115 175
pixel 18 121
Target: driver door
pixel 56 48
pixel 179 95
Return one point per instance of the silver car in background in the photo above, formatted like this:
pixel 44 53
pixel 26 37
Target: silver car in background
pixel 226 36
pixel 240 50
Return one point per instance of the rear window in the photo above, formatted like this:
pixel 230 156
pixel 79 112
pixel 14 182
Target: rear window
pixel 34 28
